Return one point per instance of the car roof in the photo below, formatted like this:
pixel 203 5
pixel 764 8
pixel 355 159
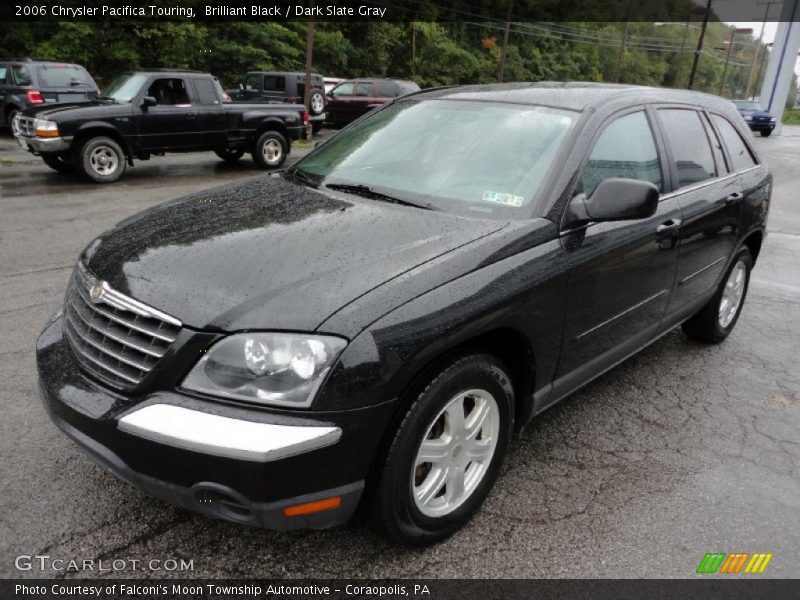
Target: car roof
pixel 573 95
pixel 295 73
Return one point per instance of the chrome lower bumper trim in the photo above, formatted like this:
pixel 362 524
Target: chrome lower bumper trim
pixel 223 436
pixel 57 144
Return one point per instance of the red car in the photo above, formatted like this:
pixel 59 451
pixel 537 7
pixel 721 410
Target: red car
pixel 355 97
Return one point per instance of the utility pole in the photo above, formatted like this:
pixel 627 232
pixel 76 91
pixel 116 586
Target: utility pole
pixel 622 42
pixel 727 59
pixel 502 70
pixel 758 47
pixel 310 28
pixel 699 48
pixel 413 49
pixel 679 67
pixel 761 66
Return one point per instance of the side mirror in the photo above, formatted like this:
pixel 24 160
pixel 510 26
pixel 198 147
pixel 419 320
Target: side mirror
pixel 615 199
pixel 148 101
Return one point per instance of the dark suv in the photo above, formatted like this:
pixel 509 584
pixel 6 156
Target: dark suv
pixel 380 319
pixel 353 98
pixel 27 82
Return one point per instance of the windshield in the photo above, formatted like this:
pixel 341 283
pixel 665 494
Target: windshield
pixel 58 76
pixel 125 87
pixel 747 105
pixel 454 155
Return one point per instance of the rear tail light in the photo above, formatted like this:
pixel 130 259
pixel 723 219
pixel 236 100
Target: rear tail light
pixel 34 97
pixel 305 116
pixel 292 100
pixel 227 97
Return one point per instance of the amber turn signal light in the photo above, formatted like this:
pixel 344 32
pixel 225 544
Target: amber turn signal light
pixel 312 507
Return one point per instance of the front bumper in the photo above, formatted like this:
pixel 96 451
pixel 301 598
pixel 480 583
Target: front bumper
pixel 224 460
pixel 38 145
pixel 760 126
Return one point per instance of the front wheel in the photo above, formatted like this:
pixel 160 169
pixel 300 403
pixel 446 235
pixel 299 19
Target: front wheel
pixel 102 160
pixel 446 453
pixel 270 150
pixel 11 121
pixel 59 161
pixel 766 132
pixel 715 321
pixel 229 155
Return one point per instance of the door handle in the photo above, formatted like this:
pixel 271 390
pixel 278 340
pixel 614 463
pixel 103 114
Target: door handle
pixel 670 225
pixel 734 197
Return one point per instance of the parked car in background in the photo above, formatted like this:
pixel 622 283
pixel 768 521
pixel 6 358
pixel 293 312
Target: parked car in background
pixel 374 325
pixel 28 82
pixel 331 82
pixel 146 113
pixel 355 97
pixel 756 117
pixel 284 86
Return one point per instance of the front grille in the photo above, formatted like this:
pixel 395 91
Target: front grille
pixel 25 125
pixel 112 336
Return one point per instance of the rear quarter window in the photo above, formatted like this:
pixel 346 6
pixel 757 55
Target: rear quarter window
pixel 21 75
pixel 740 154
pixel 206 91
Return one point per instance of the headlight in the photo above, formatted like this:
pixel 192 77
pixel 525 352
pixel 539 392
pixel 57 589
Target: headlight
pixel 773 119
pixel 45 128
pixel 748 117
pixel 281 369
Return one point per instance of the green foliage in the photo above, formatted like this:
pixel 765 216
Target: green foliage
pixel 446 52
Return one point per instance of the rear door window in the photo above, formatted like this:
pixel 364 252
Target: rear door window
pixel 387 89
pixel 363 89
pixel 692 158
pixel 254 83
pixel 737 148
pixel 3 73
pixel 21 74
pixel 626 149
pixel 274 83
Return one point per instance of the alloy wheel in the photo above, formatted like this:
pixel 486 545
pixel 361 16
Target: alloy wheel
pixel 732 294
pixel 103 160
pixel 455 453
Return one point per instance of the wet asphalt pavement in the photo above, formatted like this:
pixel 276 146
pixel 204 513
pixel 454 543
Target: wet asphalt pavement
pixel 682 450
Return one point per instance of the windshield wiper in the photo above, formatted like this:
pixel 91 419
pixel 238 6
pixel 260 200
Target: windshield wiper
pixel 368 192
pixel 114 100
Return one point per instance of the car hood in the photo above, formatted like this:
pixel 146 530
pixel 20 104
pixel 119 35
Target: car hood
pixel 71 109
pixel 270 254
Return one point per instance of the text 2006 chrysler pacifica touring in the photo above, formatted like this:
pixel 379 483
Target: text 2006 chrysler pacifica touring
pixel 371 326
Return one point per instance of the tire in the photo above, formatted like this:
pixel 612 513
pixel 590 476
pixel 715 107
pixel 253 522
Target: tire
pixel 229 155
pixel 270 150
pixel 766 132
pixel 10 120
pixel 101 159
pixel 715 321
pixel 63 162
pixel 316 102
pixel 316 127
pixel 408 500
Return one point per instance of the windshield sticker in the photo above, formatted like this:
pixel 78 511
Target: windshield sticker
pixel 500 198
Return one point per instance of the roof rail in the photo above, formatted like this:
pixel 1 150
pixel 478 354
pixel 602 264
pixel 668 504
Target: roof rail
pixel 31 59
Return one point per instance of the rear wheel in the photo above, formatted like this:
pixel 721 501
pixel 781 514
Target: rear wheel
pixel 270 150
pixel 446 453
pixel 229 155
pixel 102 159
pixel 715 321
pixel 63 162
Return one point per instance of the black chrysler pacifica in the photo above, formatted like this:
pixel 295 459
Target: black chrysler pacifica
pixel 371 326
